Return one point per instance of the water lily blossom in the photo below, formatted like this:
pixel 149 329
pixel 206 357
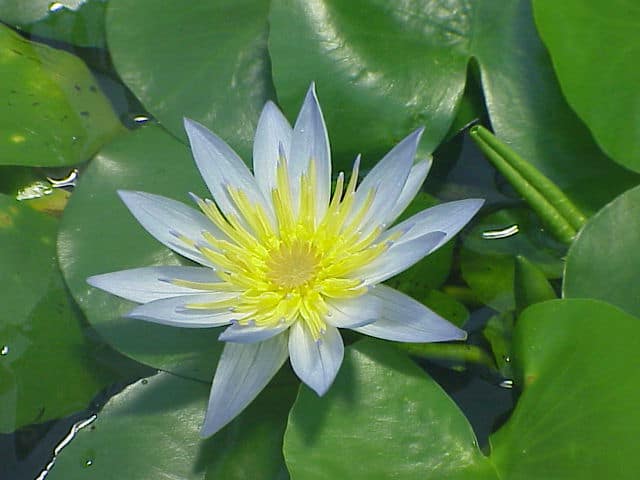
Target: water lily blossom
pixel 286 262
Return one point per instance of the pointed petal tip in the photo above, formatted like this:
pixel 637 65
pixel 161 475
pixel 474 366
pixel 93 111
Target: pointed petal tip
pixel 211 426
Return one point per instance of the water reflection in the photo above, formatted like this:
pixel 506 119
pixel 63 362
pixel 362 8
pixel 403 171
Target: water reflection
pixel 55 6
pixel 75 428
pixel 503 233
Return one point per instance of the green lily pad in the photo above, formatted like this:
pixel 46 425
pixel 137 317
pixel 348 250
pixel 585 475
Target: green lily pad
pixel 79 22
pixel 18 12
pixel 489 249
pixel 91 243
pixel 598 41
pixel 208 62
pixel 385 418
pixel 603 261
pixel 382 418
pixel 27 256
pixel 151 430
pixel 577 416
pixel 54 112
pixel 42 346
pixel 383 68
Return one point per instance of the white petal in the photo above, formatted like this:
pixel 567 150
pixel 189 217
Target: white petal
pixel 243 371
pixel 250 333
pixel 416 178
pixel 220 167
pixel 315 362
pixel 353 312
pixel 273 130
pixel 146 284
pixel 310 143
pixel 173 311
pixel 386 180
pixel 404 319
pixel 447 217
pixel 161 216
pixel 398 258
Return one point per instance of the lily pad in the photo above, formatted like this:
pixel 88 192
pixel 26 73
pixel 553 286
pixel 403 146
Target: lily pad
pixel 208 62
pixel 42 345
pixel 372 96
pixel 79 22
pixel 385 418
pixel 27 256
pixel 598 41
pixel 90 243
pixel 603 262
pixel 577 416
pixel 150 431
pixel 382 418
pixel 54 112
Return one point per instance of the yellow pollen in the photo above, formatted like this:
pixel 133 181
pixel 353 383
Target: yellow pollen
pixel 282 270
pixel 293 265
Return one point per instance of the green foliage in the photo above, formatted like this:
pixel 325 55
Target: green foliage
pixel 598 42
pixel 78 22
pixel 381 69
pixel 89 243
pixel 603 262
pixel 48 368
pixel 53 111
pixel 376 421
pixel 167 412
pixel 207 62
pixel 384 68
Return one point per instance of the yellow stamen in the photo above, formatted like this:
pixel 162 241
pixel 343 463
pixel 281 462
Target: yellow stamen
pixel 276 271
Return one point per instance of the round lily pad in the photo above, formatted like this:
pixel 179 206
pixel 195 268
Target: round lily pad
pixel 150 431
pixel 208 62
pixel 53 111
pixel 384 68
pixel 603 261
pixel 92 242
pixel 593 45
pixel 42 342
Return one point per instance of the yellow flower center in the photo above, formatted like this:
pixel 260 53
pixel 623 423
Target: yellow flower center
pixel 291 266
pixel 286 272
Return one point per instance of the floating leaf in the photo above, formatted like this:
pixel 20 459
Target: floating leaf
pixel 603 262
pixel 79 22
pixel 54 113
pixel 530 284
pixel 577 416
pixel 48 368
pixel 151 430
pixel 382 418
pixel 207 62
pixel 384 68
pixel 91 243
pixel 594 46
pixel 385 418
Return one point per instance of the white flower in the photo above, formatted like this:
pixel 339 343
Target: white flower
pixel 284 262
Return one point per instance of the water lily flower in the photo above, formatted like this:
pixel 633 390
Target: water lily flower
pixel 285 262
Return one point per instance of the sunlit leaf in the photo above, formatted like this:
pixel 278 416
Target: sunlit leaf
pixel 207 62
pixel 384 68
pixel 603 262
pixel 594 46
pixel 54 112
